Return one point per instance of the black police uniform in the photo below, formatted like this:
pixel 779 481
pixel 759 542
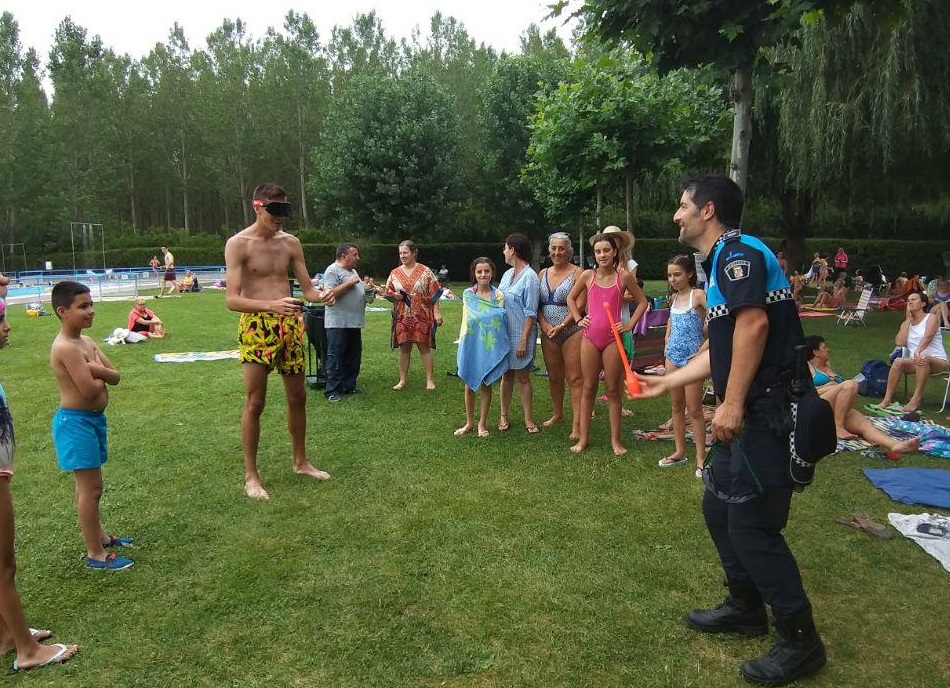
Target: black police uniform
pixel 749 491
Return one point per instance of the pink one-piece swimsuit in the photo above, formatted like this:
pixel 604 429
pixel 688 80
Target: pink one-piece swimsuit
pixel 599 331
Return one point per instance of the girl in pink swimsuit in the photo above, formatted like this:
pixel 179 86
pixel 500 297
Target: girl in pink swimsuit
pixel 605 284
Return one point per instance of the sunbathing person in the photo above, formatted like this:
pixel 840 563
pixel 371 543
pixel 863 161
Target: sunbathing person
pixel 187 282
pixel 831 297
pixel 143 320
pixel 849 422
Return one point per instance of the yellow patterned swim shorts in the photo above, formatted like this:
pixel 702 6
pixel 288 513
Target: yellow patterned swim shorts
pixel 271 340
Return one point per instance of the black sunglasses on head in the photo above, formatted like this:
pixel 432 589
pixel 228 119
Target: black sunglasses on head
pixel 275 208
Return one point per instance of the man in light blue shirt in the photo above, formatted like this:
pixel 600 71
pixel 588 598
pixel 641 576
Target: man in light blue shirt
pixel 344 322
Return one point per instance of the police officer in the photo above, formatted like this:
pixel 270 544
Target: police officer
pixel 753 329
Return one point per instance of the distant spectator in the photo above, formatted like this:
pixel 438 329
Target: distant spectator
pixel 169 276
pixel 443 273
pixel 142 319
pixel 189 282
pixel 900 283
pixel 858 280
pixel 154 263
pixel 841 260
pixel 782 262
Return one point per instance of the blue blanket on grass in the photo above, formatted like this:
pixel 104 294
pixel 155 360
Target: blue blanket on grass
pixel 483 340
pixel 927 486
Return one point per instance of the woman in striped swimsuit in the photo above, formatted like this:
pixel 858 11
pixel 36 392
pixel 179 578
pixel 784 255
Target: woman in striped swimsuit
pixel 560 340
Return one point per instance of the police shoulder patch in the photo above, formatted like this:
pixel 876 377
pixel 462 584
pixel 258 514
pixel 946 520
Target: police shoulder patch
pixel 737 270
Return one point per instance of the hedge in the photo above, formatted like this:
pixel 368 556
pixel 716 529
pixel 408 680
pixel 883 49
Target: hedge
pixel 914 257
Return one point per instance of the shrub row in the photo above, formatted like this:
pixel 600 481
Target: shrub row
pixel 914 257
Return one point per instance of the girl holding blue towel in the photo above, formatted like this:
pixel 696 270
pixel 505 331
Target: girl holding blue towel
pixel 483 343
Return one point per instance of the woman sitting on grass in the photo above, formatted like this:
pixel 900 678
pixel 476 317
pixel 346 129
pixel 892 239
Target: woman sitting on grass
pixel 849 422
pixel 144 320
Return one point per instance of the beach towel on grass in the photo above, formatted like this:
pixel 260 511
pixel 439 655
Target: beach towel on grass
pixel 189 356
pixel 483 340
pixel 926 486
pixel 930 531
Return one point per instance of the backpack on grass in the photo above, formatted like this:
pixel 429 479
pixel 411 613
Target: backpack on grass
pixel 874 383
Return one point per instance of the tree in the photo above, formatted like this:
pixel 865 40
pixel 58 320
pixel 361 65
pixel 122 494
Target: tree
pixel 618 121
pixel 726 33
pixel 296 68
pixel 508 102
pixel 386 159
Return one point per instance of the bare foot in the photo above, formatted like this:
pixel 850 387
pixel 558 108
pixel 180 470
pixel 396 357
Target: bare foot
pixel 532 429
pixel 553 420
pixel 619 449
pixel 39 634
pixel 308 469
pixel 907 408
pixel 503 424
pixel 906 446
pixel 399 385
pixel 430 385
pixel 47 655
pixel 483 432
pixel 845 435
pixel 574 436
pixel 579 447
pixel 465 429
pixel 255 490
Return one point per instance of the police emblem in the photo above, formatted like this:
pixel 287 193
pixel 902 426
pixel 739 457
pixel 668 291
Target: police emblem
pixel 737 270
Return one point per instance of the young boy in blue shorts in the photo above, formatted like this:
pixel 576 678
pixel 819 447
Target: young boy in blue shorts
pixel 15 634
pixel 79 425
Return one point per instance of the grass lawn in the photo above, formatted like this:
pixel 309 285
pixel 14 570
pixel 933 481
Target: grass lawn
pixel 427 560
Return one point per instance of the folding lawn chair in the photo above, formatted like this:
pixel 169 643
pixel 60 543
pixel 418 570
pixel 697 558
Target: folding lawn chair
pixel 855 314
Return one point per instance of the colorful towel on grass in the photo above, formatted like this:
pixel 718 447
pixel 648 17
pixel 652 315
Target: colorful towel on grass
pixel 189 356
pixel 665 431
pixel 483 340
pixel 934 439
pixel 817 314
pixel 925 486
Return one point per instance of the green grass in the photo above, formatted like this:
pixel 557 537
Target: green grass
pixel 428 560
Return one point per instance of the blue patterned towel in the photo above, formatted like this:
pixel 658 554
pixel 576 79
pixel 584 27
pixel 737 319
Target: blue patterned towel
pixel 483 339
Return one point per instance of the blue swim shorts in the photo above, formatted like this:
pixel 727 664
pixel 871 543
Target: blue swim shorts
pixel 80 439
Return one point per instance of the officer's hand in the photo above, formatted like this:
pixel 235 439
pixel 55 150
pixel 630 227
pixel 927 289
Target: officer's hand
pixel 727 421
pixel 651 385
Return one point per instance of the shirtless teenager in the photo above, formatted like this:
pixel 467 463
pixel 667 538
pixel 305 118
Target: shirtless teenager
pixel 270 332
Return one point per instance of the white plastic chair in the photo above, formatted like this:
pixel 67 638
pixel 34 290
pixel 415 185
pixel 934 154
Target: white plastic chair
pixel 855 314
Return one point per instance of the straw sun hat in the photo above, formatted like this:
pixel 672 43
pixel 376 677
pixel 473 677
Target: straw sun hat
pixel 624 238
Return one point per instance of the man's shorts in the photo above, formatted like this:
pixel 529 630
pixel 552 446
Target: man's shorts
pixel 169 276
pixel 271 340
pixel 80 439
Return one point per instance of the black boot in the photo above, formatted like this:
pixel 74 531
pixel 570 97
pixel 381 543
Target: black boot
pixel 742 612
pixel 798 651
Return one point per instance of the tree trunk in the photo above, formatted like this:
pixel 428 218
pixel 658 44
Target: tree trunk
pixel 798 211
pixel 599 211
pixel 628 196
pixel 741 125
pixel 184 182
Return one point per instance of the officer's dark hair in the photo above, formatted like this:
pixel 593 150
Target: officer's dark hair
pixel 725 195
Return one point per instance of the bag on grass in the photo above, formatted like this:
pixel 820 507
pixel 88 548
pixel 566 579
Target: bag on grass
pixel 874 383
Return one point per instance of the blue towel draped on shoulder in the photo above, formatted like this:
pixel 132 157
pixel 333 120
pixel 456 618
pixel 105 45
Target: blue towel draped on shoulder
pixel 483 339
